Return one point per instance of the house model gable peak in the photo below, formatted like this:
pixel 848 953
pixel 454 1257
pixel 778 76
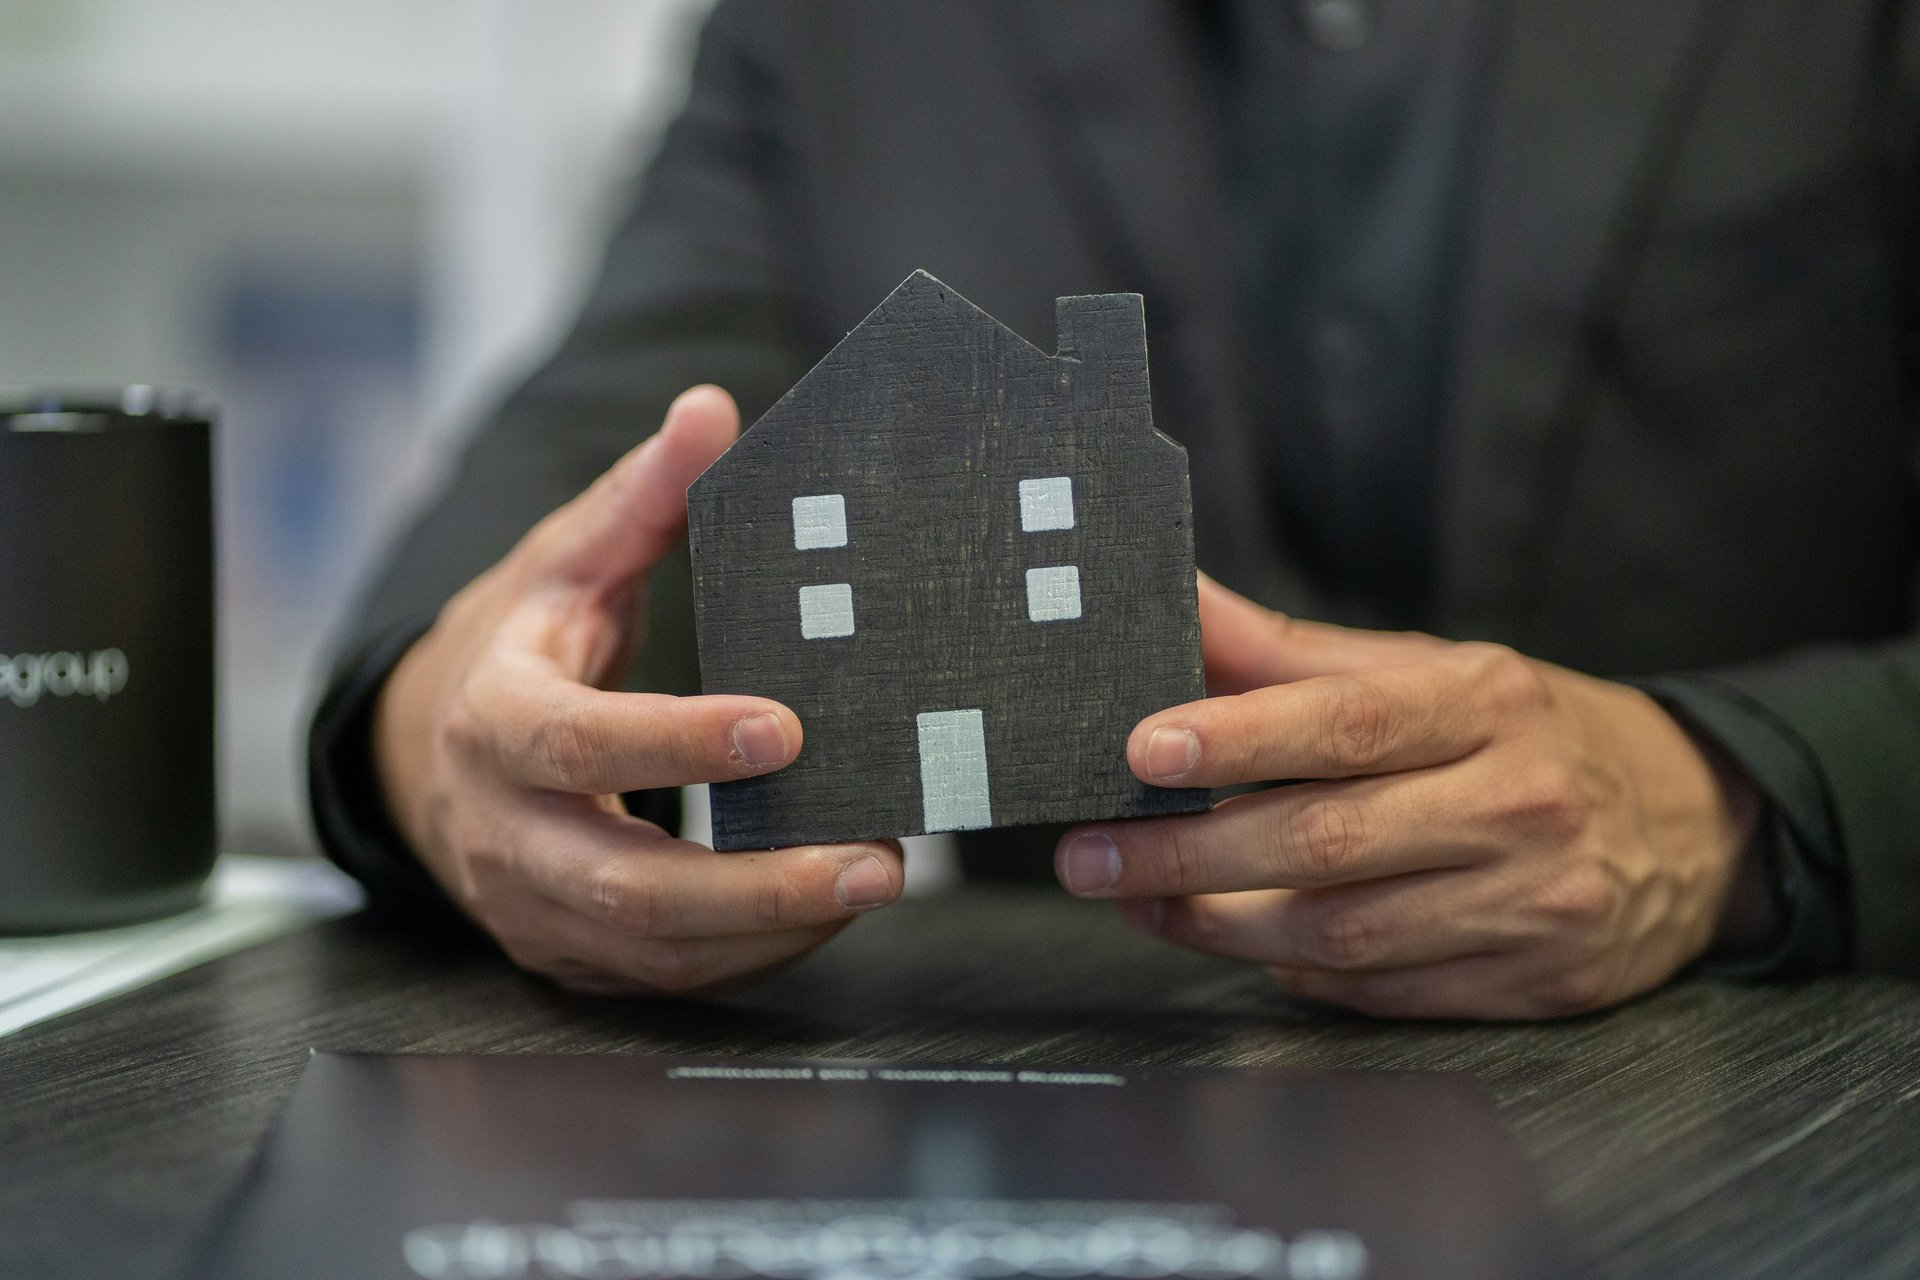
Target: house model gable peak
pixel 1099 336
pixel 1085 325
pixel 923 293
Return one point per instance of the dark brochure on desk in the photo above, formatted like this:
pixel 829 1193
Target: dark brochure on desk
pixel 624 1168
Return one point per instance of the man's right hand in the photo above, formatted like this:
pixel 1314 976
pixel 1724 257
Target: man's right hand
pixel 502 759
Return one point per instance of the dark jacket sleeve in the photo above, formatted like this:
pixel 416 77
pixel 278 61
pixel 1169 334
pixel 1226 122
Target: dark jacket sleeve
pixel 1832 734
pixel 1799 839
pixel 1856 712
pixel 696 288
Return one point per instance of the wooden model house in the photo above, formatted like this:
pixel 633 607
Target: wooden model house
pixel 965 564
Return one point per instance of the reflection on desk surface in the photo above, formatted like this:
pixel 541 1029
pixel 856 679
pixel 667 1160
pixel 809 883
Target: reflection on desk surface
pixel 249 900
pixel 539 1167
pixel 1713 1128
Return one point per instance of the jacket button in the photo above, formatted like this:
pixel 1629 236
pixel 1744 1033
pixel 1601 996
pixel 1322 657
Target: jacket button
pixel 1341 26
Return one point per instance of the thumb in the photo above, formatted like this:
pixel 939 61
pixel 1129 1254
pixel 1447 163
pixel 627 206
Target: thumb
pixel 636 512
pixel 1247 646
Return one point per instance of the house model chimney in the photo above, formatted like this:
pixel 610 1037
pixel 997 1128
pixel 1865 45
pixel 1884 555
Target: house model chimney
pixel 1105 335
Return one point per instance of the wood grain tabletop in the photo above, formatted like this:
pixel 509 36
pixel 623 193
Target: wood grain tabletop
pixel 1713 1129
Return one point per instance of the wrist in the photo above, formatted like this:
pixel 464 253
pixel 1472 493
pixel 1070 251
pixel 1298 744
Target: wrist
pixel 1753 911
pixel 351 813
pixel 399 757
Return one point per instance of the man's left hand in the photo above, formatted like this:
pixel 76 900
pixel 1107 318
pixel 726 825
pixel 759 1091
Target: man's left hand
pixel 1469 833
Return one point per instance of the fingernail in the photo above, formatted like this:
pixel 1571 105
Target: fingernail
pixel 864 885
pixel 760 740
pixel 1090 864
pixel 1172 753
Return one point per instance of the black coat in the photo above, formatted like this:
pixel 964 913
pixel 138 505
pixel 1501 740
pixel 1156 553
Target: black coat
pixel 1679 436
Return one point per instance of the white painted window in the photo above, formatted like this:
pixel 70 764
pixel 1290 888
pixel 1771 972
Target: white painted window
pixel 1046 504
pixel 1053 593
pixel 819 520
pixel 826 611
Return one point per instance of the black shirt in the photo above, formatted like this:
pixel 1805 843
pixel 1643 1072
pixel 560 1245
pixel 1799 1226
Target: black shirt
pixel 1349 127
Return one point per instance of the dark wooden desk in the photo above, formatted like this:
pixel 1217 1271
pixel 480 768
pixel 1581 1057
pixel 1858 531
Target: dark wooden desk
pixel 1713 1130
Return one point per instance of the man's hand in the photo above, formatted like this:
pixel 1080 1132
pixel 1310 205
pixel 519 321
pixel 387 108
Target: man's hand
pixel 502 761
pixel 1478 834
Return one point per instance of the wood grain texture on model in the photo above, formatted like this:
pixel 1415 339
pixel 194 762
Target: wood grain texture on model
pixel 967 566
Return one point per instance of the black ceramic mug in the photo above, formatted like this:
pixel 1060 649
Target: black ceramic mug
pixel 106 657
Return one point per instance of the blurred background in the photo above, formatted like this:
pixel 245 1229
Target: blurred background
pixel 354 223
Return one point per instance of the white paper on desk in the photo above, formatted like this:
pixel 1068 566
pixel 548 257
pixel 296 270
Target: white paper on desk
pixel 248 901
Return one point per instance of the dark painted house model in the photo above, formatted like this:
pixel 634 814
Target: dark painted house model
pixel 965 564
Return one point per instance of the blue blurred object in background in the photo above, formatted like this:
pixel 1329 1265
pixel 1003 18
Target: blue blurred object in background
pixel 307 341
